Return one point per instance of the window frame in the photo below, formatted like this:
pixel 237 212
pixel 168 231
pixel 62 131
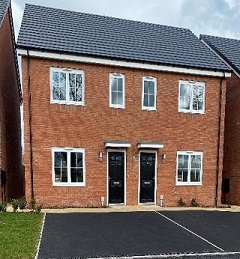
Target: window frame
pixel 113 76
pixel 189 154
pixel 67 71
pixel 154 80
pixel 191 110
pixel 68 151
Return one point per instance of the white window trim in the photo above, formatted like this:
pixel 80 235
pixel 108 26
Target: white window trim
pixel 68 150
pixel 191 110
pixel 52 69
pixel 188 183
pixel 151 79
pixel 115 75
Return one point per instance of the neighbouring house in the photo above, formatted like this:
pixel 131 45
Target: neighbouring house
pixel 119 111
pixel 229 51
pixel 12 176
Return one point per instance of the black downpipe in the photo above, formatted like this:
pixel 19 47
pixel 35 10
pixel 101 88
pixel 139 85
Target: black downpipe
pixel 219 138
pixel 30 123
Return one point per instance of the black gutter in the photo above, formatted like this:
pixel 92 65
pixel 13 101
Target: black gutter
pixel 30 123
pixel 219 137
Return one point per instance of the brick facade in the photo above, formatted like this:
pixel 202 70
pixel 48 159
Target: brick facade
pixel 55 125
pixel 10 136
pixel 232 142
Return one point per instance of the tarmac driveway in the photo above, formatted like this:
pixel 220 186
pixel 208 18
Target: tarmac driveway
pixel 163 234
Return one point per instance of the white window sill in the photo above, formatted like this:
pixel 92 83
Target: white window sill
pixel 69 184
pixel 191 112
pixel 68 103
pixel 117 106
pixel 188 184
pixel 149 109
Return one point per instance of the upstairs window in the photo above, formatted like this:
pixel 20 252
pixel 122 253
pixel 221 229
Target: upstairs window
pixel 191 97
pixel 117 91
pixel 68 166
pixel 149 93
pixel 67 86
pixel 189 168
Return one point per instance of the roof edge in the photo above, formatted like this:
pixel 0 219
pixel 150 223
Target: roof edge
pixel 226 61
pixel 23 51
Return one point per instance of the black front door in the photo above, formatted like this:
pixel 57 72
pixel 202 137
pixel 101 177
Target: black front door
pixel 116 177
pixel 147 177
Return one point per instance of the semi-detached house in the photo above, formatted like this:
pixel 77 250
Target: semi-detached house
pixel 119 111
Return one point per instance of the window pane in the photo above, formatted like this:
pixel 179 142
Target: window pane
pixel 151 87
pixel 151 101
pixel 79 88
pixel 146 87
pixel 145 100
pixel 76 175
pixel 182 161
pixel 64 175
pixel 182 175
pixel 55 79
pixel 114 98
pixel 185 96
pixel 60 166
pixel 114 84
pixel 62 81
pixel 120 84
pixel 59 86
pixel 198 92
pixel 195 161
pixel 120 98
pixel 75 87
pixel 182 168
pixel 195 175
pixel 60 159
pixel 76 159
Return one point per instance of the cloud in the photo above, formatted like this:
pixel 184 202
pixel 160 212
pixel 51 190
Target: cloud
pixel 214 17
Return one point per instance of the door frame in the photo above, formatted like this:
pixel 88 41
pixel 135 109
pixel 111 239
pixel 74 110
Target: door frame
pixel 125 181
pixel 139 176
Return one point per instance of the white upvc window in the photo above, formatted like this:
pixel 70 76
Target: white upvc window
pixel 67 86
pixel 117 90
pixel 68 166
pixel 189 168
pixel 149 93
pixel 191 97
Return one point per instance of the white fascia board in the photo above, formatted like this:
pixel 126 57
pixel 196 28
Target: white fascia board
pixel 108 62
pixel 114 144
pixel 150 145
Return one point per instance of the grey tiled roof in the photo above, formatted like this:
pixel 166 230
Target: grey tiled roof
pixel 3 7
pixel 228 49
pixel 62 31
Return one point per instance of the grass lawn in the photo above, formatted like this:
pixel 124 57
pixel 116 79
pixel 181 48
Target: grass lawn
pixel 19 234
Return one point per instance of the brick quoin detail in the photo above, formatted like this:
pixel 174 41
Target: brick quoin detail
pixel 55 125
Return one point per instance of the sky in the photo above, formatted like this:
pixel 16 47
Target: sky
pixel 213 17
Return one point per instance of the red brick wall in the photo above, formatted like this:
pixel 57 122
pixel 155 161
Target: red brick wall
pixel 232 141
pixel 10 144
pixel 87 127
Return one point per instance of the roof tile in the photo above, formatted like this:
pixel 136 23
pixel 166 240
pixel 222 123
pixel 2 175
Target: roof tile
pixel 57 30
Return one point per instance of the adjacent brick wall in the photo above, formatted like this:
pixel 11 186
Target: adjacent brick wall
pixel 232 141
pixel 87 127
pixel 10 142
